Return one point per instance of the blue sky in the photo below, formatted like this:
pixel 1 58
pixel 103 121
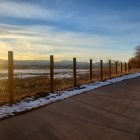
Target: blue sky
pixel 98 29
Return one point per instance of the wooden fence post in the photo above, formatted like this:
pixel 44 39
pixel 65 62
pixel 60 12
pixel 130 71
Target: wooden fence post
pixel 101 69
pixel 51 73
pixel 10 77
pixel 125 67
pixel 74 73
pixel 116 68
pixel 110 70
pixel 90 69
pixel 121 68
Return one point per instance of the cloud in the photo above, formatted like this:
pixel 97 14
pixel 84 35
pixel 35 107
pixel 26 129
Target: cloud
pixel 24 10
pixel 71 16
pixel 38 42
pixel 34 29
pixel 43 41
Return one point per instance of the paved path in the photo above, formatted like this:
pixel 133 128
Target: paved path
pixel 107 113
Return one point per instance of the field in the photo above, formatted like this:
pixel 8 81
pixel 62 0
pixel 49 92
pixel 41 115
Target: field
pixel 36 82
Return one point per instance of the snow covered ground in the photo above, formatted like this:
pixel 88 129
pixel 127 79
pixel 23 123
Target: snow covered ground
pixel 31 103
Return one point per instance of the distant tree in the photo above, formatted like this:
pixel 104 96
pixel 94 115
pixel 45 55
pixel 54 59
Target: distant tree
pixel 135 61
pixel 137 51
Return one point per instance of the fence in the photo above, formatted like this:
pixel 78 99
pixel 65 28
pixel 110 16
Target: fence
pixel 44 84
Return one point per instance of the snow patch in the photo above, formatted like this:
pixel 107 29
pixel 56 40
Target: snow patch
pixel 31 103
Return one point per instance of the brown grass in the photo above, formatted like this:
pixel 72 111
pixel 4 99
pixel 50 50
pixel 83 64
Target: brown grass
pixel 41 85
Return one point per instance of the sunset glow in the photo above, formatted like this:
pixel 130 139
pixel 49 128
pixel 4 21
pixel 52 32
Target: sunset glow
pixel 36 29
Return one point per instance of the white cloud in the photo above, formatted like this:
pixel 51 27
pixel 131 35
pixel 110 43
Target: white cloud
pixel 24 10
pixel 38 42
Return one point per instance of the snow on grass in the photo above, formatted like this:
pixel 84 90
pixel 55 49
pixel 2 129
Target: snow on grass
pixel 32 103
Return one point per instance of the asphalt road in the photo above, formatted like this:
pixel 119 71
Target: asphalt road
pixel 107 113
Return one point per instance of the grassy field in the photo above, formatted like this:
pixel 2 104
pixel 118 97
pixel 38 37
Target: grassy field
pixel 40 85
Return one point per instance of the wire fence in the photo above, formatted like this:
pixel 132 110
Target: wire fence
pixel 15 84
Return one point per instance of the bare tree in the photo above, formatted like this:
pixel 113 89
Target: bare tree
pixel 135 61
pixel 137 51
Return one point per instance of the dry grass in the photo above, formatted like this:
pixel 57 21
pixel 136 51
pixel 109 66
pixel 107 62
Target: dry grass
pixel 40 86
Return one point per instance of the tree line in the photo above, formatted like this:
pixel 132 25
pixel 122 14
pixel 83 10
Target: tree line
pixel 135 61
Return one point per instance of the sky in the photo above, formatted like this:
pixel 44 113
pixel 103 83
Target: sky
pixel 97 29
